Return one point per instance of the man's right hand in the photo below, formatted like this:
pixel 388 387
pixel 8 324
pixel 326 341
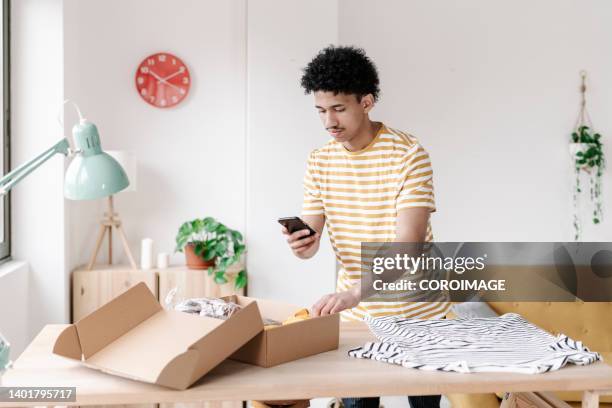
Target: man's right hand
pixel 301 244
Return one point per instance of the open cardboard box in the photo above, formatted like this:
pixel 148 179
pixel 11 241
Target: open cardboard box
pixel 291 341
pixel 133 336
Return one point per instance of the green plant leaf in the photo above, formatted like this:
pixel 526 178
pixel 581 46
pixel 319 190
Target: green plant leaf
pixel 185 228
pixel 210 270
pixel 236 235
pixel 231 260
pixel 221 248
pixel 198 248
pixel 209 253
pixel 180 243
pixel 220 278
pixel 194 225
pixel 182 236
pixel 210 224
pixel 241 280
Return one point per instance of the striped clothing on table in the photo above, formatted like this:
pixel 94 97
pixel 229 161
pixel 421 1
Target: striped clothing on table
pixel 360 194
pixel 506 343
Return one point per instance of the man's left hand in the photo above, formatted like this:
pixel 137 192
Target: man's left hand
pixel 336 302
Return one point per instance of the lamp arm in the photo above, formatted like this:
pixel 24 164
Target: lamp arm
pixel 7 182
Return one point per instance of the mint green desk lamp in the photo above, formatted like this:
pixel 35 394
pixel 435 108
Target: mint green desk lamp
pixel 92 174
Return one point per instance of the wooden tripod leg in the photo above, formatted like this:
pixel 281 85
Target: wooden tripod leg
pixel 92 260
pixel 111 214
pixel 126 246
pixel 110 245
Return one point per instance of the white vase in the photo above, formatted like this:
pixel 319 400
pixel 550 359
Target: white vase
pixel 146 254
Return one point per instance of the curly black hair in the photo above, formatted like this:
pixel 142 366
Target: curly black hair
pixel 341 69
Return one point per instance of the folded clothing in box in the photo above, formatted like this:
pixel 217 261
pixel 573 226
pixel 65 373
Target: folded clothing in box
pixel 211 307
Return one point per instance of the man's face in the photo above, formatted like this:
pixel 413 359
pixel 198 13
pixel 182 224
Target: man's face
pixel 341 114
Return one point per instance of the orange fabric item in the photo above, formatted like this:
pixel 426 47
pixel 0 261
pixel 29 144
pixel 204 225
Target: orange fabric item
pixel 298 316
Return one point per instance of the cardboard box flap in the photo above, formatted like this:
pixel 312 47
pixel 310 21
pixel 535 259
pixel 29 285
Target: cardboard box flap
pixel 115 318
pixel 155 345
pixel 67 343
pixel 179 372
pixel 238 330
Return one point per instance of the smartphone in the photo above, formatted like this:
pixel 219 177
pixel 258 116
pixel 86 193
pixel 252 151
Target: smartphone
pixel 295 224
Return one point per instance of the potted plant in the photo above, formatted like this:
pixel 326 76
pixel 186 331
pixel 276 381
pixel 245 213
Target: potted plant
pixel 209 244
pixel 588 158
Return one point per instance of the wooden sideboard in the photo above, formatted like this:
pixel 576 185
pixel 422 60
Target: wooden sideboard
pixel 93 288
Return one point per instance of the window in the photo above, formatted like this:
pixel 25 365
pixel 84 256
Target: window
pixel 5 163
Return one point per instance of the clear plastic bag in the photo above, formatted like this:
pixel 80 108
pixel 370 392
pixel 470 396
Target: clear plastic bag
pixel 203 306
pixel 172 298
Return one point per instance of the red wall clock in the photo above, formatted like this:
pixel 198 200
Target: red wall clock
pixel 162 80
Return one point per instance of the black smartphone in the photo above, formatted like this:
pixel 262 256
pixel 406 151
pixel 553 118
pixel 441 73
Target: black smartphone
pixel 295 224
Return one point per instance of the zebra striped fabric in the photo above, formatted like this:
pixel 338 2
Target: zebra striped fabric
pixel 506 343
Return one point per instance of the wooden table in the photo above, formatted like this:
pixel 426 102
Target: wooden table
pixel 327 374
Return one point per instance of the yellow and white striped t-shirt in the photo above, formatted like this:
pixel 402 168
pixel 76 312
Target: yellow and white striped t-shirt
pixel 360 193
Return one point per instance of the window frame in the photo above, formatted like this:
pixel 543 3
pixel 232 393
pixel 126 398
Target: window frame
pixel 5 246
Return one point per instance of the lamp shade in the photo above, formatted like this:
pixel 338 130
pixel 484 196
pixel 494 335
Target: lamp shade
pixel 92 173
pixel 128 162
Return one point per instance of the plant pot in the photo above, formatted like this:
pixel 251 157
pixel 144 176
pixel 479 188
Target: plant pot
pixel 195 262
pixel 579 147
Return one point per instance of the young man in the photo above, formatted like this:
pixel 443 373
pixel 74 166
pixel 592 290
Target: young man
pixel 368 183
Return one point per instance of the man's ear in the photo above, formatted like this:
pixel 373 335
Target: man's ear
pixel 367 102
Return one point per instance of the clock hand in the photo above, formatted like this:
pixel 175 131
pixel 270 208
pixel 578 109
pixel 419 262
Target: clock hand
pixel 162 80
pixel 181 90
pixel 155 75
pixel 180 71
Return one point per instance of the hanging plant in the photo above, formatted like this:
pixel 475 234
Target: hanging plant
pixel 588 158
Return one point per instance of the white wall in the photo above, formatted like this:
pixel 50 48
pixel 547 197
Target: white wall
pixel 38 224
pixel 491 90
pixel 191 158
pixel 283 128
pixel 14 306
